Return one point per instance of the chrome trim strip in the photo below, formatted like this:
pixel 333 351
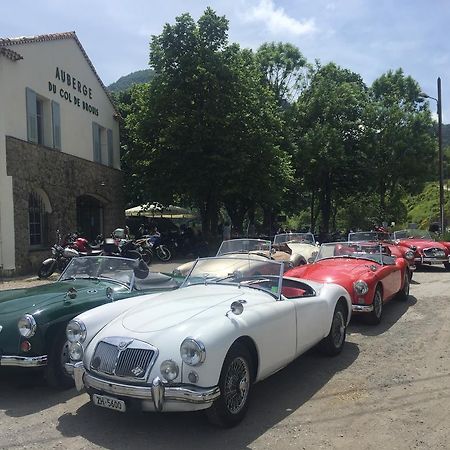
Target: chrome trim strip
pixel 158 392
pixel 362 308
pixel 23 361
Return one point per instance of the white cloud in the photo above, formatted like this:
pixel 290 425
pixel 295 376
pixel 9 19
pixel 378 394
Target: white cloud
pixel 277 21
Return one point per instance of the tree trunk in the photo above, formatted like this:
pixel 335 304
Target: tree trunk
pixel 312 220
pixel 325 203
pixel 236 212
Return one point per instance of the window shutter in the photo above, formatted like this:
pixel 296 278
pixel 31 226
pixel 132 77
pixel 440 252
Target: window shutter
pixel 96 143
pixel 32 131
pixel 110 148
pixel 56 123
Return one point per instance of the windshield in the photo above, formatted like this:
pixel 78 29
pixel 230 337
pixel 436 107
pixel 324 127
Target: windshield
pixel 413 234
pixel 244 246
pixel 358 250
pixel 294 237
pixel 369 236
pixel 120 270
pixel 255 273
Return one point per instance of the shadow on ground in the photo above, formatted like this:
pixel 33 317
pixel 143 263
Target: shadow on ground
pixel 273 400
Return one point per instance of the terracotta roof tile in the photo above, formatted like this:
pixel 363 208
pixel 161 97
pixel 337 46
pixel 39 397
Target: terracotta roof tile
pixel 4 42
pixel 11 54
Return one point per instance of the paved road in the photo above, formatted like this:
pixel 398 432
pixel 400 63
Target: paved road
pixel 390 388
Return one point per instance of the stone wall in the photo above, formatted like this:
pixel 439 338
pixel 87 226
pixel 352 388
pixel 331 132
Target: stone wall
pixel 63 178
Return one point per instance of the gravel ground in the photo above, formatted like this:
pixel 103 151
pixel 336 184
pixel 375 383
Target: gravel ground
pixel 390 388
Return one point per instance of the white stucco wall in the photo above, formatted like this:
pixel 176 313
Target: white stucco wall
pixel 7 244
pixel 37 71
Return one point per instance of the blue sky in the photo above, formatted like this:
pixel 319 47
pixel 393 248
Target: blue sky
pixel 366 36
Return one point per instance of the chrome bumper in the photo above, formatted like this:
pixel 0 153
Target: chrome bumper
pixel 362 308
pixel 428 260
pixel 159 393
pixel 23 361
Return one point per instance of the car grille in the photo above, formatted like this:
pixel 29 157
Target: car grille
pixel 433 253
pixel 123 358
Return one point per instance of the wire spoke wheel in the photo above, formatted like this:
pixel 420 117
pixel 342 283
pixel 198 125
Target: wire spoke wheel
pixel 236 385
pixel 377 304
pixel 338 329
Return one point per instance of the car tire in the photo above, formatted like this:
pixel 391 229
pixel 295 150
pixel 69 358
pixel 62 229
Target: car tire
pixel 333 344
pixel 235 385
pixel 374 317
pixel 55 372
pixel 403 293
pixel 447 266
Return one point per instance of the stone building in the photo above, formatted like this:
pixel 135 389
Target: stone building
pixel 59 149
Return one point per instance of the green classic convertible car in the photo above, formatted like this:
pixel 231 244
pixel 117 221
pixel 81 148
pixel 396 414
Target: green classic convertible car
pixel 33 321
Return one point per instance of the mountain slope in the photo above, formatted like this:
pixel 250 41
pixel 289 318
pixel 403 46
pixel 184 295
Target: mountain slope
pixel 125 82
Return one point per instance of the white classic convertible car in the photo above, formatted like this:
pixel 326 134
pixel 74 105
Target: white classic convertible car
pixel 204 345
pixel 303 246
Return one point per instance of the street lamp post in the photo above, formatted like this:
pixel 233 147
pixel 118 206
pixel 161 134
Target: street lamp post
pixel 438 101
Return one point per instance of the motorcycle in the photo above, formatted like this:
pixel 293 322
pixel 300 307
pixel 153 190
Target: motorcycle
pixel 145 249
pixel 159 247
pixel 125 248
pixel 62 253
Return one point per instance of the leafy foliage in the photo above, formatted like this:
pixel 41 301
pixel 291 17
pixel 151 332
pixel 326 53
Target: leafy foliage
pixel 328 130
pixel 401 138
pixel 206 125
pixel 266 133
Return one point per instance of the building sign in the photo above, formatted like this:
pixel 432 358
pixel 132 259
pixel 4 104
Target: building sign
pixel 73 90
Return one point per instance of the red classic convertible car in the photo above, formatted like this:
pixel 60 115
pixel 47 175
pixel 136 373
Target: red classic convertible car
pixel 400 251
pixel 426 249
pixel 366 269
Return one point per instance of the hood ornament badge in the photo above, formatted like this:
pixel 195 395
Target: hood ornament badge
pixel 124 344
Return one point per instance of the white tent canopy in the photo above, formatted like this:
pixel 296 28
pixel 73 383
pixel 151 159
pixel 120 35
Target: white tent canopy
pixel 158 210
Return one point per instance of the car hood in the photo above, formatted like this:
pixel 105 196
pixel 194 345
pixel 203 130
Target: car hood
pixel 330 270
pixel 302 248
pixel 423 243
pixel 173 308
pixel 39 297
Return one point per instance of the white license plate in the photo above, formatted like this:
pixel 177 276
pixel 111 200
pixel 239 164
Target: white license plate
pixel 109 402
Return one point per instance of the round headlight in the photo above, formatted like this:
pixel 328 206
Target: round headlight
pixel 76 331
pixel 409 254
pixel 27 326
pixel 192 352
pixel 76 351
pixel 360 287
pixel 169 370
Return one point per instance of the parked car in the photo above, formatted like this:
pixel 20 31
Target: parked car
pixel 303 246
pixel 399 251
pixel 33 321
pixel 258 249
pixel 203 346
pixel 427 251
pixel 365 269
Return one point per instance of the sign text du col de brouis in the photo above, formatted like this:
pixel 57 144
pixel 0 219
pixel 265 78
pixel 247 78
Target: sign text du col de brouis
pixel 77 86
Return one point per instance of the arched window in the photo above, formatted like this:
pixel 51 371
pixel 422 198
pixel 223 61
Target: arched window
pixel 37 220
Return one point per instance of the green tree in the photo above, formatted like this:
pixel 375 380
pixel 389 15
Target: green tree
pixel 328 123
pixel 207 129
pixel 400 138
pixel 284 67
